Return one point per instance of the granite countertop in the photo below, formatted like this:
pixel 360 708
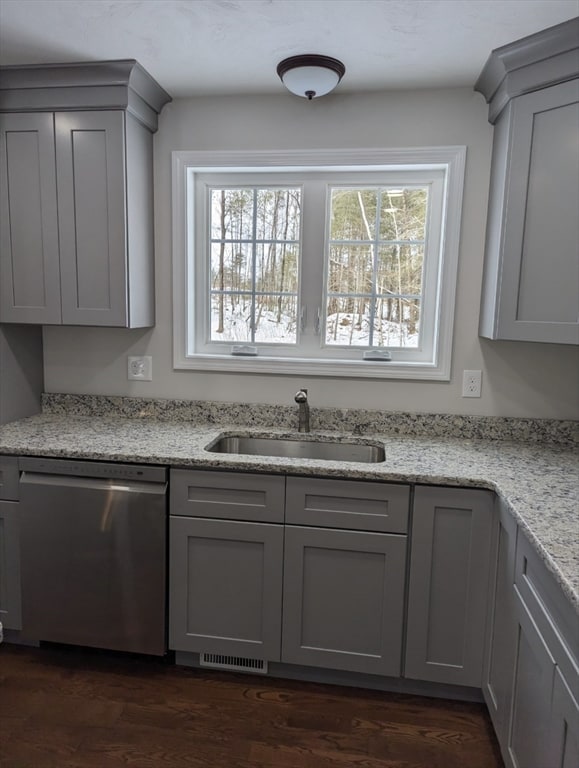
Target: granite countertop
pixel 538 482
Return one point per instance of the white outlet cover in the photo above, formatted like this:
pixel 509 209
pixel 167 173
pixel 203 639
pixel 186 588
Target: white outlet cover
pixel 471 383
pixel 140 368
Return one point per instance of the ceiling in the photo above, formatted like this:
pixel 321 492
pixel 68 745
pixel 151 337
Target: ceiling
pixel 195 47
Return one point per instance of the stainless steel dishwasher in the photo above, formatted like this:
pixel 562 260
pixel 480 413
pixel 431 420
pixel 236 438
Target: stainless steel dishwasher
pixel 93 554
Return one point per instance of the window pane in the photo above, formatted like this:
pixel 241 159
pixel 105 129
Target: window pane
pixel 403 214
pixel 231 317
pixel 276 268
pixel 231 214
pixel 276 319
pixel 399 269
pixel 255 251
pixel 231 267
pixel 278 214
pixel 351 269
pixel 348 321
pixel 396 322
pixel 353 214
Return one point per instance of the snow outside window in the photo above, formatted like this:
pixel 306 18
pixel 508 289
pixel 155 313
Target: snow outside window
pixel 322 263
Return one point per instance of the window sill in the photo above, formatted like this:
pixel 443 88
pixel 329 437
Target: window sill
pixel 358 369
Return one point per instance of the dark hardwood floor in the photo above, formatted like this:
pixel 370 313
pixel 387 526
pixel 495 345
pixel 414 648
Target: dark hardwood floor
pixel 66 708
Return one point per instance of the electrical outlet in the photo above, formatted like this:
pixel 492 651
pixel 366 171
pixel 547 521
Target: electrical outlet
pixel 140 368
pixel 471 383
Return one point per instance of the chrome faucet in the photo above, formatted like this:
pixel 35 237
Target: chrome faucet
pixel 301 399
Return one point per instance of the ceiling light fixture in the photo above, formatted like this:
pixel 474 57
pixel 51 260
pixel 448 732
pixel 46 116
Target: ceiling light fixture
pixel 310 75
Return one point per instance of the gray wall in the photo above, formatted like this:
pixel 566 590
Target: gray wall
pixel 21 366
pixel 519 379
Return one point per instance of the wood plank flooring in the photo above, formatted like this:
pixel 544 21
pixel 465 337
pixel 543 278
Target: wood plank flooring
pixel 67 708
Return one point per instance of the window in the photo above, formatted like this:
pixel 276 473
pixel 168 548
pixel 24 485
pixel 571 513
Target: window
pixel 325 263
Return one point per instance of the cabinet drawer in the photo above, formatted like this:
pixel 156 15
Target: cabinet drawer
pixel 347 504
pixel 227 495
pixel 8 478
pixel 556 619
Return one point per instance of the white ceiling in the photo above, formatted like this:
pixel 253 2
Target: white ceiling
pixel 233 46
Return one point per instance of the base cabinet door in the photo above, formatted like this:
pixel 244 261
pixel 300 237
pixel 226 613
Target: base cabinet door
pixel 529 733
pixel 343 599
pixel 10 600
pixel 225 587
pixel 564 725
pixel 501 623
pixel 448 587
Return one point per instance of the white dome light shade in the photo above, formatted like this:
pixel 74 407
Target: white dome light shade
pixel 310 75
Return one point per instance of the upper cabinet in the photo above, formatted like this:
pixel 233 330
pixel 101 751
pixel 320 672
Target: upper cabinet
pixel 531 278
pixel 76 194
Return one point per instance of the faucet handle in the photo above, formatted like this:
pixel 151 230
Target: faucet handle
pixel 301 396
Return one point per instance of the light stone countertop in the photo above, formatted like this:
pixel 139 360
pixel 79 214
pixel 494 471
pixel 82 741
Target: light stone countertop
pixel 539 483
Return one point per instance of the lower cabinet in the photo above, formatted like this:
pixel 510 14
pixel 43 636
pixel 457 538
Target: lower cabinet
pixel 564 736
pixel 342 589
pixel 225 587
pixel 544 727
pixel 10 605
pixel 531 671
pixel 10 597
pixel 447 597
pixel 225 575
pixel 528 738
pixel 343 599
pixel 501 624
pixel 313 572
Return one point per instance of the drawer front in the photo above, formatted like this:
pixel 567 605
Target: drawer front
pixel 347 504
pixel 555 617
pixel 9 478
pixel 227 495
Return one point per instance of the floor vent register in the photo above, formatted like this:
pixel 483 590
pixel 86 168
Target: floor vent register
pixel 238 663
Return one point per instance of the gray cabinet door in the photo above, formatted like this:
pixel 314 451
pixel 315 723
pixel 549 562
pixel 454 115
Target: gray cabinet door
pixel 10 601
pixel 564 725
pixel 343 600
pixel 225 587
pixel 532 260
pixel 29 253
pixel 501 623
pixel 90 161
pixel 449 567
pixel 529 742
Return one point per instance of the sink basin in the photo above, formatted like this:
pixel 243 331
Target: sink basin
pixel 299 449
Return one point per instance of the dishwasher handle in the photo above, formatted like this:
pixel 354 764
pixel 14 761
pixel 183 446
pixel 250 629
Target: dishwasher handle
pixel 94 483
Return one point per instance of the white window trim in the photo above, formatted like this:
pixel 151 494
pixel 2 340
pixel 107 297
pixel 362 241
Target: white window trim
pixel 450 159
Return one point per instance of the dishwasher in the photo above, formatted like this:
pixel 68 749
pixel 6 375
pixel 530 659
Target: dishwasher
pixel 93 554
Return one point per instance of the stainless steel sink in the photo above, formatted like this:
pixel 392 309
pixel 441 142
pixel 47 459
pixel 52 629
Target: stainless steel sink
pixel 299 449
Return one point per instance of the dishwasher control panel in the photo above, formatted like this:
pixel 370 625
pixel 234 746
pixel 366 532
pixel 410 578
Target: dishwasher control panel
pixel 93 469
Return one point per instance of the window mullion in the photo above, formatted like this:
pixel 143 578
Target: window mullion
pixel 312 262
pixel 253 263
pixel 374 300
